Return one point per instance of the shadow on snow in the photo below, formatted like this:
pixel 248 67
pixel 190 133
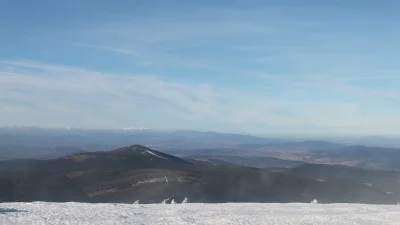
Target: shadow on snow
pixel 5 211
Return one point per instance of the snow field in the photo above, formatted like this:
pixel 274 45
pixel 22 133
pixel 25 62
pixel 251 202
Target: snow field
pixel 230 213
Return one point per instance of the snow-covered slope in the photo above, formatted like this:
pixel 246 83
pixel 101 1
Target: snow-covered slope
pixel 235 213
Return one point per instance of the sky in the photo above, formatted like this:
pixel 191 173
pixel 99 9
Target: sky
pixel 284 67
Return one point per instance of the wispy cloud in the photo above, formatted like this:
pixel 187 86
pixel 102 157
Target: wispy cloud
pixel 181 40
pixel 68 96
pixel 92 92
pixel 341 85
pixel 112 49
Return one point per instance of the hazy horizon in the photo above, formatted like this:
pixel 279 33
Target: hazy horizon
pixel 287 136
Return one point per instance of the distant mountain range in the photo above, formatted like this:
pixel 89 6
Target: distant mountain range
pixel 139 173
pixel 35 143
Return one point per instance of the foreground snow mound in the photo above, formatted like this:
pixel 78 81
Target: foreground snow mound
pixel 233 213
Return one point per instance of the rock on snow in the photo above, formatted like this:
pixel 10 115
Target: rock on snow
pixel 231 213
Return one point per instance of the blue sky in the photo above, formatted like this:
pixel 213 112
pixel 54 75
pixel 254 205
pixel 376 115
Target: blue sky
pixel 267 67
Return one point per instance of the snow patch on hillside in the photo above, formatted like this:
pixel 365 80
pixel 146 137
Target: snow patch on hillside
pixel 232 213
pixel 149 181
pixel 148 151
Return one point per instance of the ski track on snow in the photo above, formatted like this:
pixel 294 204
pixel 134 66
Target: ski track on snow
pixel 166 179
pixel 230 213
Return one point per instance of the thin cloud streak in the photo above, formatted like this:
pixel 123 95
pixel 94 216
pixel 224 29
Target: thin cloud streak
pixel 111 49
pixel 115 100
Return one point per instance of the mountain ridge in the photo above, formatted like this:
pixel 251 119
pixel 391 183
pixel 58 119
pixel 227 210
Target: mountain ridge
pixel 136 172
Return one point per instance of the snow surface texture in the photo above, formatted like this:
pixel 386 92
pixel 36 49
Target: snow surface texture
pixel 232 213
